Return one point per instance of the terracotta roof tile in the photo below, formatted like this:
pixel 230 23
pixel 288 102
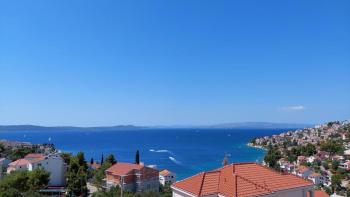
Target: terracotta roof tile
pixel 314 175
pixel 19 162
pixel 35 155
pixel 123 168
pixel 164 172
pixel 242 179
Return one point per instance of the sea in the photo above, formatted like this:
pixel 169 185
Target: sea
pixel 183 151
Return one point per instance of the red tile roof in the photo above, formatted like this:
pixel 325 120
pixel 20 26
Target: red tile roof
pixel 19 162
pixel 35 155
pixel 314 175
pixel 303 169
pixel 123 168
pixel 164 172
pixel 241 179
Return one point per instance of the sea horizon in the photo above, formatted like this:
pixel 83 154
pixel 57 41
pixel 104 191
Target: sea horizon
pixel 185 151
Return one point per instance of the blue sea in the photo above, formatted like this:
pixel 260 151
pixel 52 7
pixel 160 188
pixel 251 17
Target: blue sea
pixel 184 151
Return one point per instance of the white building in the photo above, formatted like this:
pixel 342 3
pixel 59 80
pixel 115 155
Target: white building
pixel 303 171
pixel 53 164
pixel 317 178
pixel 167 177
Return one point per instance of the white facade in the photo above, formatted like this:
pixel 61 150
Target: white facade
pixel 317 179
pixel 53 164
pixel 304 173
pixel 167 178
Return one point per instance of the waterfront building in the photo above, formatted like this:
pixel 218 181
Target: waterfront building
pixel 132 177
pixel 243 180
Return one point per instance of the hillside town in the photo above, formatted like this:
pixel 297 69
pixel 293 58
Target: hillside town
pixel 320 154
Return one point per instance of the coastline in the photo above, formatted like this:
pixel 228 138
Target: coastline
pixel 256 146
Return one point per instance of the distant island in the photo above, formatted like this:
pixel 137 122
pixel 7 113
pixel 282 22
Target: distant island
pixel 239 125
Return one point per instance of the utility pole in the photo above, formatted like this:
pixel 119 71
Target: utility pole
pixel 121 185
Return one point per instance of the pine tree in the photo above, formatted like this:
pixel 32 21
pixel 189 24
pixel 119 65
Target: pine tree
pixel 137 157
pixel 102 159
pixel 92 161
pixel 110 159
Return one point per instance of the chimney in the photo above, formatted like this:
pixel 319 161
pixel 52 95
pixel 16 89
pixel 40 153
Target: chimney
pixel 225 161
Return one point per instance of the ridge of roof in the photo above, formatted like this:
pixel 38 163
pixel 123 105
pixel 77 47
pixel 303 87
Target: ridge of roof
pixel 256 184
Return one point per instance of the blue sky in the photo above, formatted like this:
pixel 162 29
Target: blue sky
pixel 173 62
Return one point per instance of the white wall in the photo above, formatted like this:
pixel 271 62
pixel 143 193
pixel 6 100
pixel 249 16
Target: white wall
pixel 55 165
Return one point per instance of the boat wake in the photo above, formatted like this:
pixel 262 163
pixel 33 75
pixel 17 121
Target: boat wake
pixel 161 151
pixel 175 161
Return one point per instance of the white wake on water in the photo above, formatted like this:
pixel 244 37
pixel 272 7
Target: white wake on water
pixel 161 151
pixel 172 157
pixel 174 160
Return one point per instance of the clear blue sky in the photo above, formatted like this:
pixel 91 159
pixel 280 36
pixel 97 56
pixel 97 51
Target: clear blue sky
pixel 173 62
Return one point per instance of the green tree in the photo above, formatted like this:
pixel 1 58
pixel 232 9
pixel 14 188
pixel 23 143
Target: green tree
pixel 272 157
pixel 20 152
pixel 16 179
pixel 165 191
pixel 112 192
pixel 110 159
pixel 336 182
pixel 11 192
pixel 81 160
pixel 99 174
pixel 32 194
pixel 308 150
pixel 24 181
pixel 332 146
pixel 66 157
pixel 137 157
pixel 77 176
pixel 335 165
pixel 38 179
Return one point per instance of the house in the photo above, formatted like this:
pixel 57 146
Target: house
pixel 242 179
pixel 303 171
pixel 167 177
pixel 53 164
pixel 339 158
pixel 313 159
pixel 345 165
pixel 317 178
pixel 347 152
pixel 323 155
pixel 301 160
pixel 132 177
pixel 19 164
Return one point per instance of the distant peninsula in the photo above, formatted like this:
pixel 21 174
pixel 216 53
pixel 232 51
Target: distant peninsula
pixel 241 125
